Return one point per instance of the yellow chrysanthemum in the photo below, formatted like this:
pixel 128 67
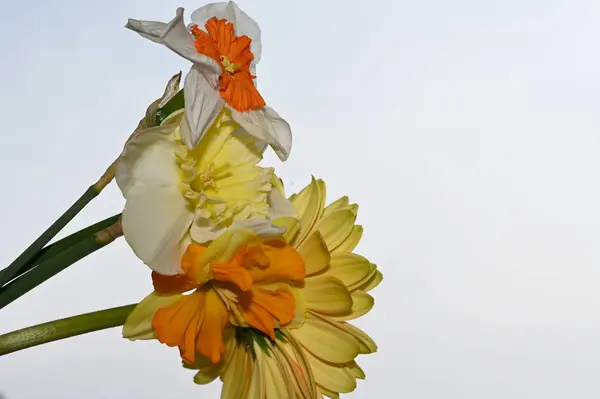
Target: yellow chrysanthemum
pixel 315 356
pixel 175 195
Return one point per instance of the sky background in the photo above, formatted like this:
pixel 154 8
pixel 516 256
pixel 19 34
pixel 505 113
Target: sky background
pixel 466 130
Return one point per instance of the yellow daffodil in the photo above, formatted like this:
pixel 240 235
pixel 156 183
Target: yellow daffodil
pixel 223 44
pixel 313 351
pixel 176 195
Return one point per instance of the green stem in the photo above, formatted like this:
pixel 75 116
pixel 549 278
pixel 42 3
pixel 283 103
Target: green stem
pixel 15 267
pixel 56 264
pixel 64 328
pixel 67 242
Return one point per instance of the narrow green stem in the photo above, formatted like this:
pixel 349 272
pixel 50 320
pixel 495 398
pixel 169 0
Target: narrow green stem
pixel 64 328
pixel 56 264
pixel 15 267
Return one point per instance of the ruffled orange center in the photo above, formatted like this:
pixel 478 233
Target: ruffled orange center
pixel 233 54
pixel 251 289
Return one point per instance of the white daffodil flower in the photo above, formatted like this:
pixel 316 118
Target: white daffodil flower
pixel 223 43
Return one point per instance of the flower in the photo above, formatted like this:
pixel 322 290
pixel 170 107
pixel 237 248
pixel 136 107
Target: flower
pixel 239 279
pixel 223 44
pixel 335 289
pixel 176 195
pixel 316 355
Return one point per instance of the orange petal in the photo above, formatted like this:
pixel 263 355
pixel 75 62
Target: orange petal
pixel 209 341
pixel 191 258
pixel 284 263
pixel 204 44
pixel 177 324
pixel 239 52
pixel 177 284
pixel 261 307
pixel 241 93
pixel 233 271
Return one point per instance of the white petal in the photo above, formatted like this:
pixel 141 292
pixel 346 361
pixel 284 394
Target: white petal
pixel 261 227
pixel 279 206
pixel 155 220
pixel 203 103
pixel 175 36
pixel 242 23
pixel 266 125
pixel 148 158
pixel 203 230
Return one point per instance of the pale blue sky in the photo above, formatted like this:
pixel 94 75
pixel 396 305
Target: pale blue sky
pixel 468 132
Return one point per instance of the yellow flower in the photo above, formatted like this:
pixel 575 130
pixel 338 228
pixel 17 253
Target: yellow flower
pixel 175 195
pixel 314 356
pixel 239 279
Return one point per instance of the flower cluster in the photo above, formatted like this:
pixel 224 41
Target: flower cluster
pixel 250 285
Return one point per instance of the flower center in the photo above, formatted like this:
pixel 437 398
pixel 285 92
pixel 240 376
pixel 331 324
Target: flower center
pixel 229 66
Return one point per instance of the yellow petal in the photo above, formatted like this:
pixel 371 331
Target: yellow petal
pixel 237 374
pixel 332 377
pixel 296 355
pixel 353 208
pixel 277 377
pixel 362 303
pixel 290 225
pixel 315 253
pixel 355 371
pixel 326 341
pixel 327 295
pixel 348 267
pixel 351 241
pixel 366 343
pixel 372 282
pixel 139 323
pixel 336 227
pixel 336 205
pixel 328 393
pixel 308 207
pixel 258 374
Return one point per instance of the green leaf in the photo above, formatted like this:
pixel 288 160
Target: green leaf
pixel 174 104
pixel 18 264
pixel 64 328
pixel 67 242
pixel 50 267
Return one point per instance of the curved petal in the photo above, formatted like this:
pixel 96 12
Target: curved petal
pixel 279 206
pixel 175 36
pixel 327 295
pixel 331 376
pixel 155 220
pixel 148 158
pixel 260 227
pixel 203 230
pixel 266 125
pixel 242 23
pixel 326 341
pixel 202 104
pixel 139 323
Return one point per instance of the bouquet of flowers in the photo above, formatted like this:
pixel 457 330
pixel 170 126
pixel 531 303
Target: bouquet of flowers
pixel 253 286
